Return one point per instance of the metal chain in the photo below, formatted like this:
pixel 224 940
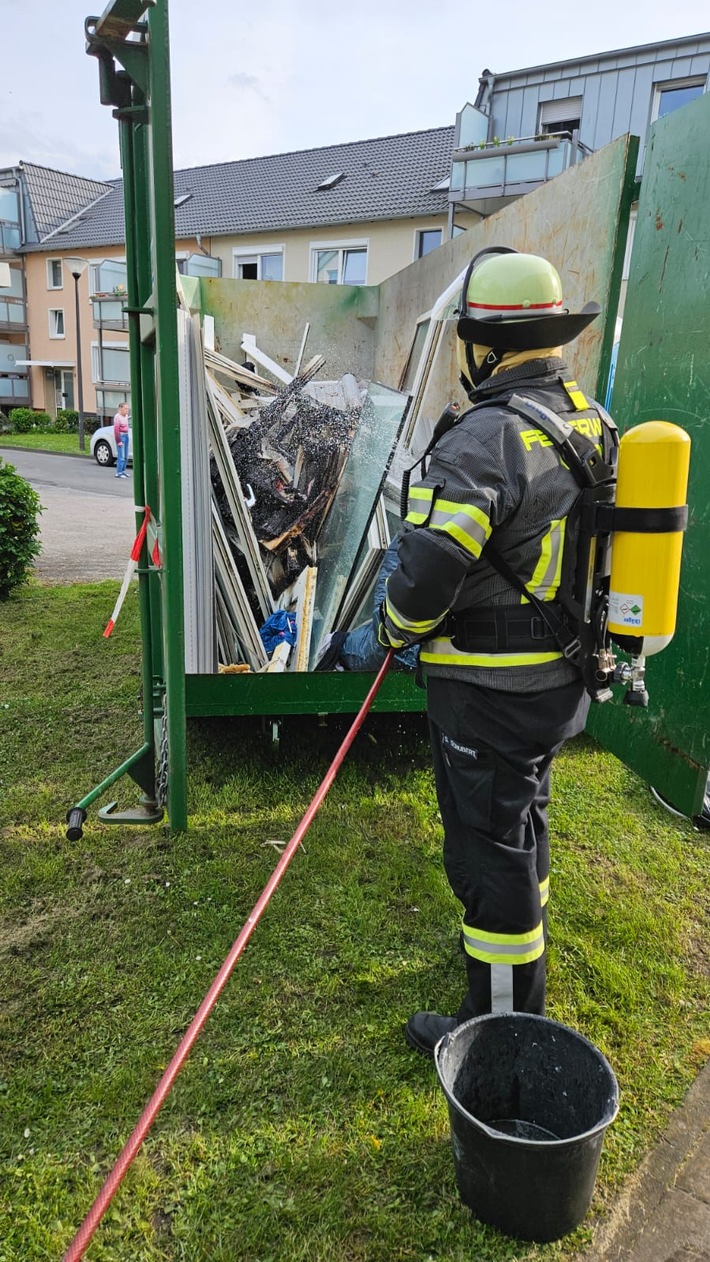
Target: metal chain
pixel 161 783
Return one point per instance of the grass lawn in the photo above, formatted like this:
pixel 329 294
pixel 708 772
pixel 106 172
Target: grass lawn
pixel 67 443
pixel 302 1127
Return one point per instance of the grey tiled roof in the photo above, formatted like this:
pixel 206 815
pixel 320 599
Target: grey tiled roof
pixel 54 196
pixel 387 178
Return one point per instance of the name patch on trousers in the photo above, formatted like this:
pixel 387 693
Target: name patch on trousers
pixel 466 750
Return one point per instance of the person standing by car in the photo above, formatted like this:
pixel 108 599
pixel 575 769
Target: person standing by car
pixel 120 431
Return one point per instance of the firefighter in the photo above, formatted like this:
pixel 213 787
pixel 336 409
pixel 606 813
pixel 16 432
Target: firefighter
pixel 502 697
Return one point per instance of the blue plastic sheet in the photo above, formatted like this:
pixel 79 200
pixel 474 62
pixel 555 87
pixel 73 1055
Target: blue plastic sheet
pixel 279 626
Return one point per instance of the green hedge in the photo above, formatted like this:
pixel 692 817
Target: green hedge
pixel 29 421
pixel 19 528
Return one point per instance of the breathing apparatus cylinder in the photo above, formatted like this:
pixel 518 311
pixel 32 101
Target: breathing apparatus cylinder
pixel 652 481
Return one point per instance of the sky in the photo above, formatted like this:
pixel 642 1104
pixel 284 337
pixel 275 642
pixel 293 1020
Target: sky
pixel 250 79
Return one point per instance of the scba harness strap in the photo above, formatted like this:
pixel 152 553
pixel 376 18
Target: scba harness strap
pixel 576 621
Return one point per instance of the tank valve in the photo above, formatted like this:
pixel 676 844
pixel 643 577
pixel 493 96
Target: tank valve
pixel 633 673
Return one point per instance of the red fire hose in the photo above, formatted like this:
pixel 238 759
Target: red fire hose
pixel 93 1218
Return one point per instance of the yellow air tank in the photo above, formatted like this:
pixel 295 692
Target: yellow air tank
pixel 654 459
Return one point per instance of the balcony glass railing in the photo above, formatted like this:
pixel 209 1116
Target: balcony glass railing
pixel 509 168
pixel 13 313
pixel 14 388
pixel 109 313
pixel 9 237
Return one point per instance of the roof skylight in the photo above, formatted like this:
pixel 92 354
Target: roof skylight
pixel 331 181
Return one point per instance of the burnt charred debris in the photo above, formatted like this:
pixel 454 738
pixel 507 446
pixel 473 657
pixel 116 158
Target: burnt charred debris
pixel 288 452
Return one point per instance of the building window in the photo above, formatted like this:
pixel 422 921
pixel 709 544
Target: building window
pixel 427 239
pixel 259 264
pixel 56 322
pixel 55 277
pixel 563 115
pixel 671 96
pixel 339 265
pixel 107 401
pixel 110 362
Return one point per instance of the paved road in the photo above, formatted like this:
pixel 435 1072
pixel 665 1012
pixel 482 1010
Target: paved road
pixel 88 526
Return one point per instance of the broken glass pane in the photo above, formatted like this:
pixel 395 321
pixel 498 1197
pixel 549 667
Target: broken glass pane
pixel 360 487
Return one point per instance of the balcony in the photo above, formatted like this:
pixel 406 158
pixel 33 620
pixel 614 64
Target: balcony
pixel 109 311
pixel 486 176
pixel 9 238
pixel 13 316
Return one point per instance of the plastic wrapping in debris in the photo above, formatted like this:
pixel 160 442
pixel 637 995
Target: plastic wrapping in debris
pixel 295 477
pixel 279 628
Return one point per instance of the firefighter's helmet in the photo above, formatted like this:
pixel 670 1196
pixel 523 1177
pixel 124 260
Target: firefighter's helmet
pixel 512 302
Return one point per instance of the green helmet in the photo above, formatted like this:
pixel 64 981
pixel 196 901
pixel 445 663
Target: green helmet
pixel 513 302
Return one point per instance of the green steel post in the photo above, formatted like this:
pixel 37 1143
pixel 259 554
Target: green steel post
pixel 128 149
pixel 142 233
pixel 162 217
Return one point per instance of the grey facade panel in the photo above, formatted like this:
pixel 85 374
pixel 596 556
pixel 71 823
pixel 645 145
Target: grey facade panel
pixel 640 117
pixel 617 90
pixel 623 104
pixel 531 111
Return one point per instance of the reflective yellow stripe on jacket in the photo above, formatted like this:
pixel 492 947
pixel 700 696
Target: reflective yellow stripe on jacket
pixel 408 625
pixel 545 581
pixel 441 652
pixel 465 523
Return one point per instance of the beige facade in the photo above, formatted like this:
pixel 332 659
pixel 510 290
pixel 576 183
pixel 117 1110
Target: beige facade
pixel 52 340
pixel 390 245
pixel 377 249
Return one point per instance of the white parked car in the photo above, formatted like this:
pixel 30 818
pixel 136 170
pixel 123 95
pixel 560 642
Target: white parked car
pixel 103 446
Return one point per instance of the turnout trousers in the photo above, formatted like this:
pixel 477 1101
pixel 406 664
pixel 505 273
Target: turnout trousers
pixel 492 756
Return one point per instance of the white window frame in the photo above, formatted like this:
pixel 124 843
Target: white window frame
pixel 341 246
pixel 53 333
pixel 96 380
pixel 434 227
pixel 255 252
pixel 669 85
pixel 50 284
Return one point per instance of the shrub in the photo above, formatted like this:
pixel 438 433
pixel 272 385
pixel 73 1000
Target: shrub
pixel 43 422
pixel 19 528
pixel 22 420
pixel 67 421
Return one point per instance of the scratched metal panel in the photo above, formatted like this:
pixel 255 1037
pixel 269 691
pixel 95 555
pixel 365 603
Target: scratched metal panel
pixel 663 373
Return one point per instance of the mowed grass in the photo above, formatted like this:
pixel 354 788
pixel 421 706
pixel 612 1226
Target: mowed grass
pixel 67 443
pixel 301 1127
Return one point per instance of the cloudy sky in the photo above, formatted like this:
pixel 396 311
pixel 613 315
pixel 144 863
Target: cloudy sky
pixel 257 78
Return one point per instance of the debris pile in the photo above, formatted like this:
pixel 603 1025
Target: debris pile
pixel 296 471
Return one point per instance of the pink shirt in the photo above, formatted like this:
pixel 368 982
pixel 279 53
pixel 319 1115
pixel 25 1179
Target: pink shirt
pixel 120 426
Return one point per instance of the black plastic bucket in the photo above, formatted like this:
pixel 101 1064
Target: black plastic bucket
pixel 529 1102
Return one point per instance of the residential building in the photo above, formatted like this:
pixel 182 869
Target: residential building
pixel 526 126
pixel 345 214
pixel 349 214
pixel 33 201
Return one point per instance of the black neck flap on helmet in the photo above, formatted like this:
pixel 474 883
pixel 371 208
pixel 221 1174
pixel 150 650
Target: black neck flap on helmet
pixel 514 331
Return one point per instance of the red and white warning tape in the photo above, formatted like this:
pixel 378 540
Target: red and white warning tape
pixel 130 571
